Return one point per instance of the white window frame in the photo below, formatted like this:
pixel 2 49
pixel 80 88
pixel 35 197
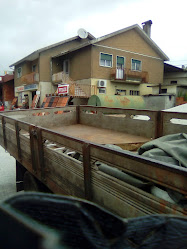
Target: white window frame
pixel 19 74
pixel 121 91
pixel 105 61
pixel 140 65
pixel 134 91
pixel 102 88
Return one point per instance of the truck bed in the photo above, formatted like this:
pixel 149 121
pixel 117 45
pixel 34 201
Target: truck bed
pixel 44 140
pixel 102 136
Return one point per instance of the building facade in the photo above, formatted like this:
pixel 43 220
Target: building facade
pixel 125 62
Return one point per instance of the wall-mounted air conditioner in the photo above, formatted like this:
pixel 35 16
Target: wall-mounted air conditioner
pixel 101 83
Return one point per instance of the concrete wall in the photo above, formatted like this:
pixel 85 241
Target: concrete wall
pixel 159 102
pixel 180 77
pixel 46 88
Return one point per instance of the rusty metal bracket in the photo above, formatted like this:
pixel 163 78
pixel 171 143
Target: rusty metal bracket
pixel 41 154
pixel 4 133
pixel 87 171
pixel 18 141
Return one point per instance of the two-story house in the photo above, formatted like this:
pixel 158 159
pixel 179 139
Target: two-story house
pixel 33 72
pixel 126 62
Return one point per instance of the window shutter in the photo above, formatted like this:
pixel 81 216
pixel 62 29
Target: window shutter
pixel 120 60
pixel 106 57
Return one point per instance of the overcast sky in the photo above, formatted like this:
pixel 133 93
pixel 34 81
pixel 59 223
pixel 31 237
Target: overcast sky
pixel 28 25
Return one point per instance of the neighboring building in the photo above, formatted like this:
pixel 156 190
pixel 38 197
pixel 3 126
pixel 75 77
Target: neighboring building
pixel 33 72
pixel 124 62
pixel 7 89
pixel 175 80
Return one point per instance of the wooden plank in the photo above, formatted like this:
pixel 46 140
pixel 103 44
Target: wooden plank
pixel 126 200
pixel 60 139
pixel 167 175
pixel 65 171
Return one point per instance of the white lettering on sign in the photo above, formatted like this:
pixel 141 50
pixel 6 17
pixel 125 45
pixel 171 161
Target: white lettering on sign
pixel 63 89
pixel 19 89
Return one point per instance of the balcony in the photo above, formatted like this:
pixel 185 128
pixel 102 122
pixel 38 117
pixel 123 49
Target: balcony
pixel 60 77
pixel 30 78
pixel 75 90
pixel 128 76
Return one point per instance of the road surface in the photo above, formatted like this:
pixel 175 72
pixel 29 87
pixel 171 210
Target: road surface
pixel 7 175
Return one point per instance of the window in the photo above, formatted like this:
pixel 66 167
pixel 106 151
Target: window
pixel 135 93
pixel 19 72
pixel 164 90
pixel 65 66
pixel 33 68
pixel 136 65
pixel 120 62
pixel 173 82
pixel 120 92
pixel 102 90
pixel 105 60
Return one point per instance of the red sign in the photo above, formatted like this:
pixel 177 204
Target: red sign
pixel 63 89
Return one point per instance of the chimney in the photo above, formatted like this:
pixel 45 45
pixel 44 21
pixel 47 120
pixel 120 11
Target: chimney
pixel 147 27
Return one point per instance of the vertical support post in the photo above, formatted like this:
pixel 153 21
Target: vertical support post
pixel 33 136
pixel 18 141
pixel 78 114
pixel 159 125
pixel 41 154
pixel 4 132
pixel 87 171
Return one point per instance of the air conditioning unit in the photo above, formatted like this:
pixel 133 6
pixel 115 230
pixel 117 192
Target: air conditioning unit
pixel 101 83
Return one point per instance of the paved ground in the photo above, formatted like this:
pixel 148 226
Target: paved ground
pixel 7 175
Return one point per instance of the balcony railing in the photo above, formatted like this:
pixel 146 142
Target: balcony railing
pixel 82 90
pixel 30 78
pixel 75 89
pixel 60 77
pixel 128 75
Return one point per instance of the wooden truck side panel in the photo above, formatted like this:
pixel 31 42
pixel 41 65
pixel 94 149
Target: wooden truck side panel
pixel 66 175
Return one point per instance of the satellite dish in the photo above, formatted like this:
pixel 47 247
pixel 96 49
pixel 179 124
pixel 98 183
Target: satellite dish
pixel 82 33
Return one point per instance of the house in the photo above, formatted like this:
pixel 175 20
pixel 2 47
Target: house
pixel 174 83
pixel 33 72
pixel 175 80
pixel 7 88
pixel 124 62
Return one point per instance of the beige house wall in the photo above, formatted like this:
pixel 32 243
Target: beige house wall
pixel 129 41
pixel 45 58
pixel 80 64
pixel 111 87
